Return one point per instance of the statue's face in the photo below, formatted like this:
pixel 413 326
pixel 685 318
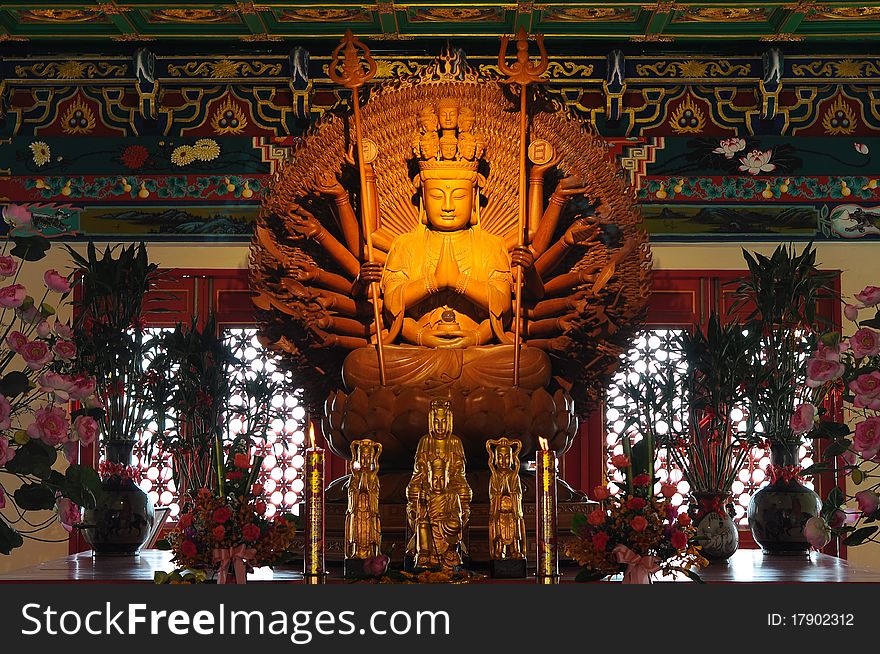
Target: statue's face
pixel 448 203
pixel 428 120
pixel 448 148
pixel 440 422
pixel 448 117
pixel 503 457
pixel 438 479
pixel 465 121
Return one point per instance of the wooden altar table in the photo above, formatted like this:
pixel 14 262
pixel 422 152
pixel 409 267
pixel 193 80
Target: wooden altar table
pixel 749 566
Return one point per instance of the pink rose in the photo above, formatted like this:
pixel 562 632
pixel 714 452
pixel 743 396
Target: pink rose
pixel 869 296
pixel 62 331
pixel 866 402
pixel 64 350
pixel 865 343
pixel 849 458
pixel 50 425
pixel 43 329
pixel 851 312
pixel 17 215
pixel 52 381
pixel 36 354
pixel 868 501
pixel 16 341
pixel 867 439
pixel 820 371
pixel 867 384
pixel 6 452
pixel 86 429
pixel 71 451
pixel 83 389
pixel 817 533
pixel 802 420
pixel 838 519
pixel 68 513
pixel 620 461
pixel 638 523
pixel 8 266
pixel 56 282
pixel 12 296
pixel 668 489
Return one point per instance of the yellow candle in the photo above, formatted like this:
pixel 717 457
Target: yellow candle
pixel 545 497
pixel 314 501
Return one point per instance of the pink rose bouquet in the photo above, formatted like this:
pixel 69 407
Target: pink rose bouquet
pixel 847 372
pixel 38 379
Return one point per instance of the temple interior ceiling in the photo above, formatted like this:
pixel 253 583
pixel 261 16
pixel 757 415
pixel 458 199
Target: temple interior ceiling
pixel 270 20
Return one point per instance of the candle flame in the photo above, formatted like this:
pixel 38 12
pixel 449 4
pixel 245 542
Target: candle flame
pixel 356 465
pixel 543 443
pixel 312 435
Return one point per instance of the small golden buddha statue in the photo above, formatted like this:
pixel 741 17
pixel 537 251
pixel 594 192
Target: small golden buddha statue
pixel 363 531
pixel 438 495
pixel 507 531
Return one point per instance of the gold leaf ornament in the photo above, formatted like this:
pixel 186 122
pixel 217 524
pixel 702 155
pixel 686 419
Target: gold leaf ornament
pixel 78 119
pixel 839 119
pixel 228 119
pixel 687 118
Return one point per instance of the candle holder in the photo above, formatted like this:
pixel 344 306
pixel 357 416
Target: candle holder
pixel 313 561
pixel 545 496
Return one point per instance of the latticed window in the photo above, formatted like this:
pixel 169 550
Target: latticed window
pixel 281 473
pixel 658 347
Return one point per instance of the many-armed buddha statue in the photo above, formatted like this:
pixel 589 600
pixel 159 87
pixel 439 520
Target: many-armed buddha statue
pixel 418 248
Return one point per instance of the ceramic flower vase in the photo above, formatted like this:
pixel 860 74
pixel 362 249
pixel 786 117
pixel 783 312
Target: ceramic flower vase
pixel 120 523
pixel 716 532
pixel 779 510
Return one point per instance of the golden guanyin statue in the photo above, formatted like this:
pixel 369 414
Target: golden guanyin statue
pixel 438 495
pixel 414 240
pixel 507 528
pixel 363 530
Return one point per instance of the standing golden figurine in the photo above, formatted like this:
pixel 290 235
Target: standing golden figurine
pixel 438 495
pixel 507 528
pixel 363 530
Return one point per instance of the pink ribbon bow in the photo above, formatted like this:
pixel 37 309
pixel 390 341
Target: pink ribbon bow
pixel 638 568
pixel 238 557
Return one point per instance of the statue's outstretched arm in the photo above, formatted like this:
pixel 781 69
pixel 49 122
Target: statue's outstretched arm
pixel 532 285
pixel 328 185
pixel 565 283
pixel 307 272
pixel 581 232
pixel 566 188
pixel 536 195
pixel 305 224
pixel 558 306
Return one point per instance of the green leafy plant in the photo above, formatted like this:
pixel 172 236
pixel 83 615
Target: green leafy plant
pixel 110 333
pixel 781 294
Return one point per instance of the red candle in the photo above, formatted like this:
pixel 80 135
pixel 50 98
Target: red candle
pixel 545 496
pixel 314 501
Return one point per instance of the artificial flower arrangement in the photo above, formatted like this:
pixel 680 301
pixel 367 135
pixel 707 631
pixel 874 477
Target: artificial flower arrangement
pixel 39 377
pixel 636 532
pixel 227 529
pixel 846 371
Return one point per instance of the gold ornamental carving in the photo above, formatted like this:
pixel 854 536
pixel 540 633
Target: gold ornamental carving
pixel 222 15
pixel 507 528
pixel 457 14
pixel 687 117
pixel 844 68
pixel 587 14
pixel 72 69
pixel 59 15
pixel 228 119
pixel 363 528
pixel 224 69
pixel 438 497
pixel 557 70
pixel 694 69
pixel 722 14
pixel 844 13
pixel 78 118
pixel 358 15
pixel 839 119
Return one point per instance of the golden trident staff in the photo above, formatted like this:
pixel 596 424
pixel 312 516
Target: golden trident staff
pixel 521 72
pixel 353 77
